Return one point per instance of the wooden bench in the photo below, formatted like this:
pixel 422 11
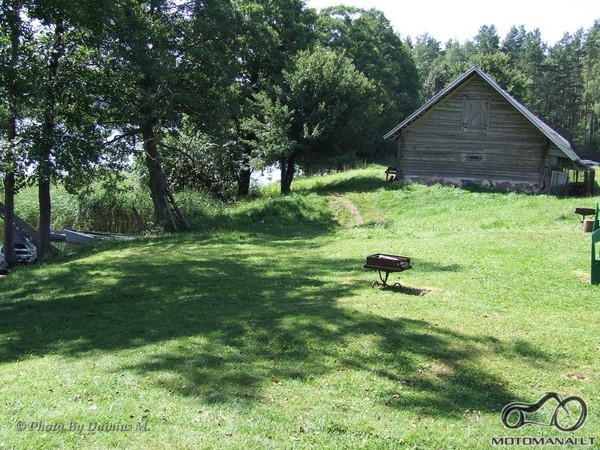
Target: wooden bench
pixel 390 174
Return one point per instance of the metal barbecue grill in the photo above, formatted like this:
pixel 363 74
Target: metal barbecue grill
pixel 386 264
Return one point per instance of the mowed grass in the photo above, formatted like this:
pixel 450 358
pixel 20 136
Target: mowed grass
pixel 263 330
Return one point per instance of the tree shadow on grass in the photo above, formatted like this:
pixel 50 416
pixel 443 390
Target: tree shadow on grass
pixel 225 320
pixel 402 288
pixel 430 266
pixel 358 184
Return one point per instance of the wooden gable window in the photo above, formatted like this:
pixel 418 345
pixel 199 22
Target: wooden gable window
pixel 476 114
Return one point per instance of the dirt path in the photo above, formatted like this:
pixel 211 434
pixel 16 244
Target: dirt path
pixel 351 207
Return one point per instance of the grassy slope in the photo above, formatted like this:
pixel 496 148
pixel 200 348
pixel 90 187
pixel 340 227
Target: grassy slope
pixel 265 333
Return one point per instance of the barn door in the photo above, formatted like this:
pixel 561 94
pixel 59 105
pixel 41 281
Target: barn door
pixel 558 183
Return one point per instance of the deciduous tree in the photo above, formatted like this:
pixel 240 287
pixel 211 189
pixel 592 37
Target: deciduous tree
pixel 367 38
pixel 325 109
pixel 269 35
pixel 166 60
pixel 11 87
pixel 64 122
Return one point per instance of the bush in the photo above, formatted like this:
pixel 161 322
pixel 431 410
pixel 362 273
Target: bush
pixel 111 209
pixel 195 162
pixel 64 206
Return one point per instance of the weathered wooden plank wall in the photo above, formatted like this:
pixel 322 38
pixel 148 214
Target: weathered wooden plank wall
pixel 437 145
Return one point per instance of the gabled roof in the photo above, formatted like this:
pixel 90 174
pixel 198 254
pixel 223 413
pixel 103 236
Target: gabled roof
pixel 544 128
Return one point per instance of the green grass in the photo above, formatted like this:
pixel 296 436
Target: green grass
pixel 262 331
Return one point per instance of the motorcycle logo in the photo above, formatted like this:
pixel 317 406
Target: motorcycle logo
pixel 513 414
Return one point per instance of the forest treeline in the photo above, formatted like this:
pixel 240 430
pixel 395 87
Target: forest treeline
pixel 560 83
pixel 196 95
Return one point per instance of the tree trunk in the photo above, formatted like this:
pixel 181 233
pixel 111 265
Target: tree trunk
pixel 245 174
pixel 10 256
pixel 48 141
pixel 287 174
pixel 158 182
pixel 45 216
pixel 159 189
pixel 244 182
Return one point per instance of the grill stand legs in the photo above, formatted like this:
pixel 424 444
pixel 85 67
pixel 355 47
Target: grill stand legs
pixel 383 279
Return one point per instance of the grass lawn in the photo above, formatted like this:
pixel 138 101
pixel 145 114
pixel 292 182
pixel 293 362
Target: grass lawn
pixel 263 330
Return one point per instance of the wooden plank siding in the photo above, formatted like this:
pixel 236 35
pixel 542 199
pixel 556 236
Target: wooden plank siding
pixel 449 141
pixel 473 131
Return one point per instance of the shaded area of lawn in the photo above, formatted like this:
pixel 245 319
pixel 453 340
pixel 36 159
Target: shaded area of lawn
pixel 223 318
pixel 365 182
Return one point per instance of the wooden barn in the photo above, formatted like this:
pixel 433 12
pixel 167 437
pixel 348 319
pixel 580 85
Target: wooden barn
pixel 473 132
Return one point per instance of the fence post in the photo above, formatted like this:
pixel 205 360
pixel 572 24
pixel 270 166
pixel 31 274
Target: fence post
pixel 595 269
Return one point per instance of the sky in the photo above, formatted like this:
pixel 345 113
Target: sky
pixel 461 19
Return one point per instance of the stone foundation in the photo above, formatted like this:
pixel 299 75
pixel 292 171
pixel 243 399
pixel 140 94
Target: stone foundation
pixel 496 185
